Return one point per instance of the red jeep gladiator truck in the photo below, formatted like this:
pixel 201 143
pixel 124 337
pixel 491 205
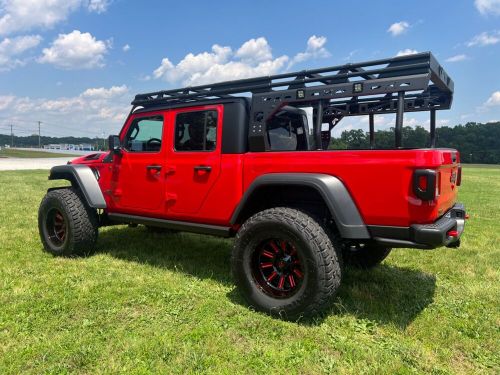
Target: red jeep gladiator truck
pixel 244 159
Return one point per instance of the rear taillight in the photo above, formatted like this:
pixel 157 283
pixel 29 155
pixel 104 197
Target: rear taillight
pixel 425 184
pixel 459 176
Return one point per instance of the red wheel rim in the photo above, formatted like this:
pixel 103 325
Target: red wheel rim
pixel 56 227
pixel 277 268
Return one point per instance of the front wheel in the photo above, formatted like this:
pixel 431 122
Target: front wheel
pixel 284 263
pixel 67 225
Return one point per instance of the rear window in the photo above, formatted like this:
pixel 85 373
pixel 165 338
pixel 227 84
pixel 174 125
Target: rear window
pixel 196 131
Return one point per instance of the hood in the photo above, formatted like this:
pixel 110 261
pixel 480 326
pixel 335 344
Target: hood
pixel 93 158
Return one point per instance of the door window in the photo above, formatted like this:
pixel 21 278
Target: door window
pixel 144 134
pixel 196 131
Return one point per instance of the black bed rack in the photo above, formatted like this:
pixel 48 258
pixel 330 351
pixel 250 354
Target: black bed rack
pixel 395 85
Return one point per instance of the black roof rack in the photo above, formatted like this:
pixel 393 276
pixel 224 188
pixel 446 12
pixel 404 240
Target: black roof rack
pixel 395 85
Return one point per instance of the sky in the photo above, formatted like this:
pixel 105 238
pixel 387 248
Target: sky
pixel 75 65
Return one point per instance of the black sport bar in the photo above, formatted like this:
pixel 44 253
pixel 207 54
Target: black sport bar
pixel 399 119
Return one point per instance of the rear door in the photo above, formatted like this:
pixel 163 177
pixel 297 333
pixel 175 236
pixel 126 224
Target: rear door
pixel 193 161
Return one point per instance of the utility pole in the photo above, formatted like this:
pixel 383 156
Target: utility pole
pixel 103 141
pixel 11 136
pixel 39 136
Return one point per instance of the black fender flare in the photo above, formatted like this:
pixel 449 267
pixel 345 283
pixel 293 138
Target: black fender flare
pixel 332 190
pixel 80 176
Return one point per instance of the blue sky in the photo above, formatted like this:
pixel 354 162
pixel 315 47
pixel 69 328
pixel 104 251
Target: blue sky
pixel 75 65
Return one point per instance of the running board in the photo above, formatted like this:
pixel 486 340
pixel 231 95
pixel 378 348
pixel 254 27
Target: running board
pixel 182 226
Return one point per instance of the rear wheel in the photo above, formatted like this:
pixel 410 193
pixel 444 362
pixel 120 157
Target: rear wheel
pixel 366 257
pixel 67 225
pixel 285 264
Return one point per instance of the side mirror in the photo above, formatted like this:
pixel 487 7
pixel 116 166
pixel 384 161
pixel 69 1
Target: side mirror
pixel 114 143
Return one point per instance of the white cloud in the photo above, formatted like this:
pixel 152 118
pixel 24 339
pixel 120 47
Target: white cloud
pixel 457 58
pixel 126 48
pixel 398 28
pixel 192 67
pixel 315 49
pixel 493 100
pixel 485 39
pixel 11 48
pixel 255 50
pixel 98 6
pixel 87 114
pixel 406 52
pixel 486 7
pixel 103 93
pixel 22 15
pixel 5 101
pixel 75 50
pixel 253 58
pixel 18 15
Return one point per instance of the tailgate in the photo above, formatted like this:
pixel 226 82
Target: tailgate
pixel 448 178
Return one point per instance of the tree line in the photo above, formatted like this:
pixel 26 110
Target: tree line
pixel 476 142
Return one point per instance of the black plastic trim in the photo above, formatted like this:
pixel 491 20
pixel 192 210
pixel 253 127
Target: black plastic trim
pixel 430 192
pixel 171 224
pixel 397 233
pixel 81 176
pixel 435 234
pixel 390 242
pixel 334 193
pixel 235 127
pixel 423 236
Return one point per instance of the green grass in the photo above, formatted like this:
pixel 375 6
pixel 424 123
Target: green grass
pixel 151 303
pixel 14 153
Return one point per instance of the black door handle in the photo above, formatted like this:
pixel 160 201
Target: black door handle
pixel 205 168
pixel 153 167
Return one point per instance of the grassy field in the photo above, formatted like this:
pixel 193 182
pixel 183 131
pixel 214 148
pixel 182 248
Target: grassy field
pixel 152 303
pixel 14 153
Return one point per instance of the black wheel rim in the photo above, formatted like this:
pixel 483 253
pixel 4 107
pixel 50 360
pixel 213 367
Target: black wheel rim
pixel 56 227
pixel 276 268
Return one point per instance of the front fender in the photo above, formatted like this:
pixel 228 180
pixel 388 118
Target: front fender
pixel 80 176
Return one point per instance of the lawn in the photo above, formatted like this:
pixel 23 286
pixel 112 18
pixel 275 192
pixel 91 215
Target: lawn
pixel 152 303
pixel 14 153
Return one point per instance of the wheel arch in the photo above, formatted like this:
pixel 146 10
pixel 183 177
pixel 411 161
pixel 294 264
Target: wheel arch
pixel 81 177
pixel 330 190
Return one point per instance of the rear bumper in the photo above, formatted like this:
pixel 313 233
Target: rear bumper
pixel 446 231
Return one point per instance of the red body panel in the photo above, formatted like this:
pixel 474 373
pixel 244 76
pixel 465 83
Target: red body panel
pixel 379 181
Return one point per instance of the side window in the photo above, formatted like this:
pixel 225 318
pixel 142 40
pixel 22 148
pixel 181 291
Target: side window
pixel 196 131
pixel 145 134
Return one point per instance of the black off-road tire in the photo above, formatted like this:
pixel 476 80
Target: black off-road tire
pixel 79 223
pixel 320 262
pixel 366 257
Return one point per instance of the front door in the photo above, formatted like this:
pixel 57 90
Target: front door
pixel 194 160
pixel 138 182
